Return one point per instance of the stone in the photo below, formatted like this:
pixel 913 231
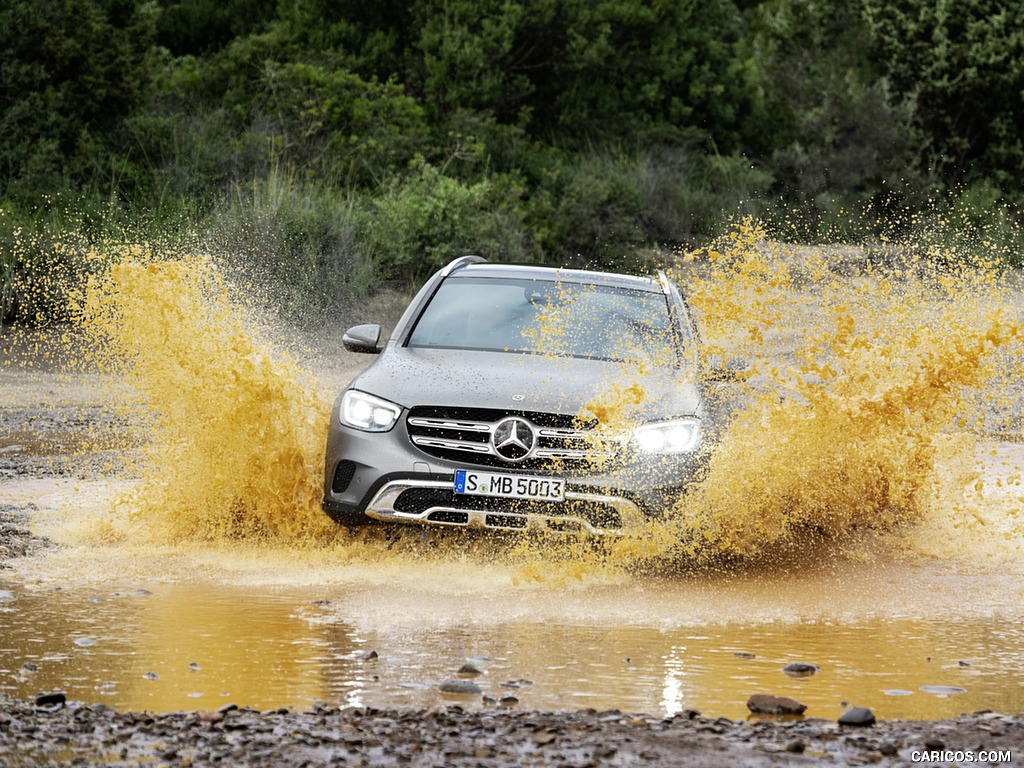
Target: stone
pixel 800 669
pixel 50 699
pixel 470 669
pixel 859 716
pixel 7 596
pixel 367 656
pixel 461 687
pixel 29 667
pixel 767 704
pixel 516 683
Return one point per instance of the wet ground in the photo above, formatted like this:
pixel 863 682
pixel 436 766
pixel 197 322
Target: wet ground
pixel 345 651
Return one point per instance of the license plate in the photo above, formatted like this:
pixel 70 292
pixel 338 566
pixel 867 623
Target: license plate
pixel 473 483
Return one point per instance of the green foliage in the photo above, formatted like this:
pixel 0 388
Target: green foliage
pixel 294 242
pixel 587 71
pixel 423 222
pixel 71 71
pixel 962 64
pixel 341 143
pixel 843 140
pixel 201 26
pixel 335 125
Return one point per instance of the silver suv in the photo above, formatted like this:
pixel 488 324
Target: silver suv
pixel 522 397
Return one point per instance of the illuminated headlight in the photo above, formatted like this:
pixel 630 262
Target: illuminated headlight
pixel 366 412
pixel 676 436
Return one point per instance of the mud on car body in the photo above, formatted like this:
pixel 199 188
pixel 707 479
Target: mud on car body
pixel 489 404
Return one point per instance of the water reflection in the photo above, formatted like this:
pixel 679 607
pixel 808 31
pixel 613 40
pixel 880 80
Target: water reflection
pixel 188 646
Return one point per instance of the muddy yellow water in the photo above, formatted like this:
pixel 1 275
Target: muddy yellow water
pixel 861 513
pixel 198 627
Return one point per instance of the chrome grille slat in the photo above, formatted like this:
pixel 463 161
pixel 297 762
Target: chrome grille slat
pixel 465 435
pixel 564 434
pixel 453 445
pixel 465 426
pixel 563 453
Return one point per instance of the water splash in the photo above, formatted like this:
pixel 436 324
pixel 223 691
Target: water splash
pixel 874 373
pixel 868 384
pixel 236 442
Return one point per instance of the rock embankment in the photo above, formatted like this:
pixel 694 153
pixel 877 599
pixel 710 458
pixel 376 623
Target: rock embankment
pixel 54 732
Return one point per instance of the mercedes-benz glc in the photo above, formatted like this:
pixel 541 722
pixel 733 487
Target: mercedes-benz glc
pixel 522 397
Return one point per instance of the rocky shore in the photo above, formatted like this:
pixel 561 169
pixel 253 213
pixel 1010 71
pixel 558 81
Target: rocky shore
pixel 54 732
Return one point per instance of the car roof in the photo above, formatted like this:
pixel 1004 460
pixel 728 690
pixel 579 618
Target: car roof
pixel 532 272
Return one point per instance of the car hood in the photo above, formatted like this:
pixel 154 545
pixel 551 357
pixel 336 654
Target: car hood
pixel 418 376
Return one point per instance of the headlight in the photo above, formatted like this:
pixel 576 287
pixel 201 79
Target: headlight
pixel 676 436
pixel 366 412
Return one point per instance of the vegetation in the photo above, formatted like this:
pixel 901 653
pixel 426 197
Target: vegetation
pixel 341 144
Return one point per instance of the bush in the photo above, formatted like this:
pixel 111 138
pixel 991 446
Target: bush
pixel 420 223
pixel 293 243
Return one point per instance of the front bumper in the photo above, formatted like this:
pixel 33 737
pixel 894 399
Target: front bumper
pixel 383 477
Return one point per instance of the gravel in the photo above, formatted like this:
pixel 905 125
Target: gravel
pixel 73 733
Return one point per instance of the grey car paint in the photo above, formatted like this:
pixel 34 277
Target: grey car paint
pixel 367 474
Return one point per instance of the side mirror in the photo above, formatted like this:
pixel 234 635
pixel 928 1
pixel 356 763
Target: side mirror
pixel 362 338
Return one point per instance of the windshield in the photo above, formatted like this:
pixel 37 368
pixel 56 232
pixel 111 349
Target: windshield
pixel 547 317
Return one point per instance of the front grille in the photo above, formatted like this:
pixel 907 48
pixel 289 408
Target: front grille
pixel 463 435
pixel 505 513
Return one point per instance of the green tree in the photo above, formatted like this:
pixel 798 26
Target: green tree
pixel 962 64
pixel 581 70
pixel 70 70
pixel 840 138
pixel 200 26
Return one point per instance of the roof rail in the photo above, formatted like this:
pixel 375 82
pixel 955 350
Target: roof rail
pixel 665 283
pixel 460 262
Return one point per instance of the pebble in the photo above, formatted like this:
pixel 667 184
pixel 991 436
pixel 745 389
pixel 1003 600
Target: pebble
pixel 860 716
pixel 767 704
pixel 461 687
pixel 50 699
pixel 800 669
pixel 7 596
pixel 470 669
pixel 516 683
pixel 458 737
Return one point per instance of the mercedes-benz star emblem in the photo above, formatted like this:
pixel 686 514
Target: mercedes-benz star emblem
pixel 513 438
